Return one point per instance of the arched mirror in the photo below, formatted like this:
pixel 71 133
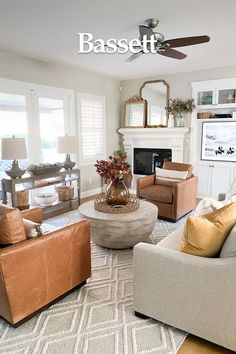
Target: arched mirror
pixel 135 112
pixel 157 94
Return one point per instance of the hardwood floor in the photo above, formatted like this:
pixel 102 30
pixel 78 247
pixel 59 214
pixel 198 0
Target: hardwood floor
pixel 196 345
pixel 84 200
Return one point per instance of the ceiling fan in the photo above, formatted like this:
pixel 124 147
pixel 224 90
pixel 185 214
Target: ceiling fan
pixel 165 47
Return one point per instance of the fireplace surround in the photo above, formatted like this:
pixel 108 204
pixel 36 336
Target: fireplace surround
pixel 174 139
pixel 146 160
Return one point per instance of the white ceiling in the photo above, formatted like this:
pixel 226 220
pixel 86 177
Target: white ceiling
pixel 46 30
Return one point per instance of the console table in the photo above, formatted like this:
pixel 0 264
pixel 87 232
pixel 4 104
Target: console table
pixel 120 230
pixel 28 182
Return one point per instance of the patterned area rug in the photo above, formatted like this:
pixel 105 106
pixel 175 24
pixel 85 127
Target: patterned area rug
pixel 98 318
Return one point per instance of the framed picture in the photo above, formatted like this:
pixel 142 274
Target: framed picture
pixel 219 141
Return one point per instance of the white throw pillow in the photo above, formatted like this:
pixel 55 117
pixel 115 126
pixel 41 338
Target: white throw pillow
pixel 33 229
pixel 160 172
pixel 207 205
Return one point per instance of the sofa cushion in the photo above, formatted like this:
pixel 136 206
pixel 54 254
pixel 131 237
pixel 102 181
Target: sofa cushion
pixel 204 236
pixel 11 226
pixel 158 193
pixel 229 247
pixel 160 172
pixel 173 241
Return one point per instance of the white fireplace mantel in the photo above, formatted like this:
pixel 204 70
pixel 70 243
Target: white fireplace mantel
pixel 157 138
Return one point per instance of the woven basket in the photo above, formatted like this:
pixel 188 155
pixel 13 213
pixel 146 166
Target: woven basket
pixel 22 200
pixel 204 115
pixel 65 193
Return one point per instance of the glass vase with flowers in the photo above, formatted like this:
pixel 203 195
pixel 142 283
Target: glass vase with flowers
pixel 179 106
pixel 115 169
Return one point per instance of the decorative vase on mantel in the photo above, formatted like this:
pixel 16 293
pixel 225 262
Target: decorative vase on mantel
pixel 179 120
pixel 117 193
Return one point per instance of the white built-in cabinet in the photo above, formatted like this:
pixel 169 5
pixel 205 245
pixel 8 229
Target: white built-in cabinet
pixel 218 97
pixel 213 178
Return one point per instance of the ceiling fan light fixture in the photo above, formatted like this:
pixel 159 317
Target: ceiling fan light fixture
pixel 152 22
pixel 159 37
pixel 154 42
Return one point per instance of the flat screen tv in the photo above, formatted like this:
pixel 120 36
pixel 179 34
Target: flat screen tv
pixel 219 141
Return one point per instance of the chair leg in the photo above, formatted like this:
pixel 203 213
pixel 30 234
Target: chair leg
pixel 140 315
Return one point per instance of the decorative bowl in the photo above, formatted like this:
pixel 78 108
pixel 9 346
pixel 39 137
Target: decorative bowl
pixel 45 199
pixel 44 169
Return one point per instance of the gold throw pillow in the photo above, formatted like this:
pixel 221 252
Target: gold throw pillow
pixel 204 236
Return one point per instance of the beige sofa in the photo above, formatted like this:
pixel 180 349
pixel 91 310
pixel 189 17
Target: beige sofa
pixel 191 293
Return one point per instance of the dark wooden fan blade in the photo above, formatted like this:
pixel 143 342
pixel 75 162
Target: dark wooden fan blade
pixel 182 42
pixel 144 30
pixel 172 53
pixel 134 56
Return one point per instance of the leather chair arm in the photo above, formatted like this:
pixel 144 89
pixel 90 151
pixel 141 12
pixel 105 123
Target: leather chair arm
pixel 33 242
pixel 34 214
pixel 143 182
pixel 185 185
pixel 184 196
pixel 47 267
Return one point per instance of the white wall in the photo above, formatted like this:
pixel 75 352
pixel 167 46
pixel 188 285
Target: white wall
pixel 17 67
pixel 180 86
pixel 20 68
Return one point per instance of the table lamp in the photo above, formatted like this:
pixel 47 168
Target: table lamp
pixel 65 145
pixel 14 149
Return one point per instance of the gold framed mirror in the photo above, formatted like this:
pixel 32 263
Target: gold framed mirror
pixel 135 112
pixel 157 94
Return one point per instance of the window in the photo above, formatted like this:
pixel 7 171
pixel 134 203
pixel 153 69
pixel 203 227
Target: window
pixel 51 116
pixel 38 113
pixel 13 121
pixel 91 111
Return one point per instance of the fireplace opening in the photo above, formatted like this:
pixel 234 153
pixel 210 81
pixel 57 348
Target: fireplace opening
pixel 146 160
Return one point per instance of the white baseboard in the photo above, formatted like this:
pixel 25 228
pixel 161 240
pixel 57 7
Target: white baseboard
pixel 91 192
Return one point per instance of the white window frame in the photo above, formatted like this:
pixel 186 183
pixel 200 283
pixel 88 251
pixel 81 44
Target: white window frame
pixel 91 160
pixel 32 92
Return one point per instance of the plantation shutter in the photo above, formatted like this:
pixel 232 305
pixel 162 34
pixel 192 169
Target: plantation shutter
pixel 92 127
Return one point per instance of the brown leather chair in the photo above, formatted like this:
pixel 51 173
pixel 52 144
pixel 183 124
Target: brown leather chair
pixel 173 198
pixel 35 272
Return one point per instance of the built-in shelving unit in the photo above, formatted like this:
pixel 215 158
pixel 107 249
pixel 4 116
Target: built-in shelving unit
pixel 218 98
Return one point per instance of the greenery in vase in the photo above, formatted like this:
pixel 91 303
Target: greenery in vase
pixel 114 168
pixel 122 155
pixel 177 106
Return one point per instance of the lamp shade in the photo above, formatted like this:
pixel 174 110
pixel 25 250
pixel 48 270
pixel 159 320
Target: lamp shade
pixel 66 144
pixel 13 149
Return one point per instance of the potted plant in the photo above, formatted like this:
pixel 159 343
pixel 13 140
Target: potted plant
pixel 177 107
pixel 115 169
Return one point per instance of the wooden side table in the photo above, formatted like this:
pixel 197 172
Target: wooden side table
pixel 27 183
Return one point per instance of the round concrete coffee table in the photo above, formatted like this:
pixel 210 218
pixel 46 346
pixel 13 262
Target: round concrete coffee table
pixel 120 230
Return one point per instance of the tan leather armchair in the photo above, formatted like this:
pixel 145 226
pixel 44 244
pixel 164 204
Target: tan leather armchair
pixel 174 199
pixel 35 272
